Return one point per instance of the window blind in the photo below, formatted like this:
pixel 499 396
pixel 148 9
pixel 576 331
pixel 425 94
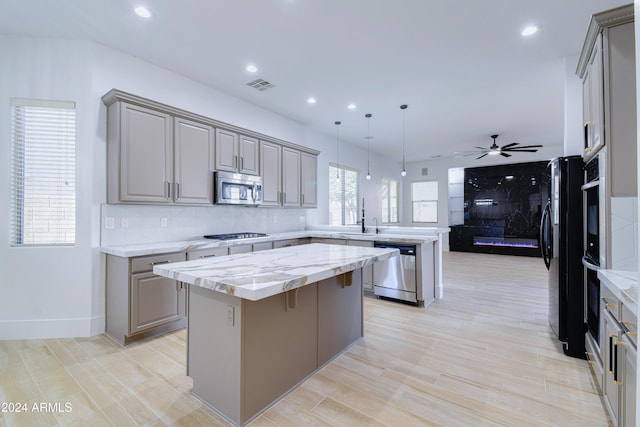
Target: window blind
pixel 344 191
pixel 43 167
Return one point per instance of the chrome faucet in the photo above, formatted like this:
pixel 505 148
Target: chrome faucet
pixel 376 220
pixel 364 228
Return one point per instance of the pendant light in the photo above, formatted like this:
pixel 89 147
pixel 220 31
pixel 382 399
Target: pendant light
pixel 403 107
pixel 337 123
pixel 368 116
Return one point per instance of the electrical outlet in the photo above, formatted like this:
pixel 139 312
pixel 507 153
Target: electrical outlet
pixel 109 223
pixel 163 222
pixel 124 222
pixel 230 315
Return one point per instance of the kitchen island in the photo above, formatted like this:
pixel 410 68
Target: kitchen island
pixel 260 323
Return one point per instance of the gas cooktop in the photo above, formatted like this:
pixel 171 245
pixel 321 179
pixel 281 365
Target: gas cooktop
pixel 231 236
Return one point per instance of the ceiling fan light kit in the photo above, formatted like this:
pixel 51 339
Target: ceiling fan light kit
pixel 504 151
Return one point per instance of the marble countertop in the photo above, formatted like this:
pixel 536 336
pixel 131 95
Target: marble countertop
pixel 392 235
pixel 258 275
pixel 624 285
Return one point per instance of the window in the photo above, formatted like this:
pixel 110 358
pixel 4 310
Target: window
pixel 424 201
pixel 43 163
pixel 344 192
pixel 390 200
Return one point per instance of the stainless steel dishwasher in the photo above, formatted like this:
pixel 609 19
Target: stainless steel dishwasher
pixel 396 278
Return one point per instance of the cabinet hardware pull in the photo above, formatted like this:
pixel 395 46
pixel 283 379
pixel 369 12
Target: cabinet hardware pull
pixel 241 163
pixel 611 305
pixel 235 162
pixel 615 363
pixel 588 123
pixel 177 190
pixel 284 197
pixel 159 262
pixel 611 353
pixel 168 190
pixel 207 256
pixel 303 199
pixel 588 149
pixel 632 334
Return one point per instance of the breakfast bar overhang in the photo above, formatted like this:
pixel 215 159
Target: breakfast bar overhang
pixel 260 323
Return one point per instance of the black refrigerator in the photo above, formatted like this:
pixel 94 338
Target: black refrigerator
pixel 561 243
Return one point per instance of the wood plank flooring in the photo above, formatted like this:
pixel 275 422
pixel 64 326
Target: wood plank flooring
pixel 482 356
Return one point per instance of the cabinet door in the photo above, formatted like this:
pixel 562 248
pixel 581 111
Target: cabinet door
pixel 270 170
pixel 309 171
pixel 155 300
pixel 367 271
pixel 193 162
pixel 290 177
pixel 146 145
pixel 249 155
pixel 226 151
pixel 629 381
pixel 593 89
pixel 611 334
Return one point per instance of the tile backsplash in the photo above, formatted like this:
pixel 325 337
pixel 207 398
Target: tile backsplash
pixel 134 224
pixel 624 234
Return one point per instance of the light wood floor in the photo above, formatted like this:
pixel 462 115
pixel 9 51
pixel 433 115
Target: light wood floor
pixel 482 356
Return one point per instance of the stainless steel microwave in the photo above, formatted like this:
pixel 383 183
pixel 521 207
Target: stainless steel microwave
pixel 237 189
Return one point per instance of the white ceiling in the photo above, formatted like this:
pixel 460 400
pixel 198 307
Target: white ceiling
pixel 461 66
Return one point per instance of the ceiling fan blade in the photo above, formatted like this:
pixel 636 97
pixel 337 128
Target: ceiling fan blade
pixel 505 154
pixel 517 150
pixel 524 146
pixel 481 156
pixel 480 148
pixel 509 145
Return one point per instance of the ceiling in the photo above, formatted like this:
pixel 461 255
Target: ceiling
pixel 461 66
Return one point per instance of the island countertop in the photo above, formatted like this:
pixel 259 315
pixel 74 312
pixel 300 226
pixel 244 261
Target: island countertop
pixel 257 275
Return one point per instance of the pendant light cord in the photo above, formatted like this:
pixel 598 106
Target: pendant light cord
pixel 403 107
pixel 337 149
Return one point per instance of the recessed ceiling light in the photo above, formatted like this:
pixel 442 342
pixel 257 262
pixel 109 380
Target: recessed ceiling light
pixel 351 106
pixel 251 68
pixel 530 30
pixel 142 12
pixel 311 100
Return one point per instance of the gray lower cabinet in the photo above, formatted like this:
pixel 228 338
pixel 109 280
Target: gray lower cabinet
pixel 291 242
pixel 141 304
pixel 619 355
pixel 207 253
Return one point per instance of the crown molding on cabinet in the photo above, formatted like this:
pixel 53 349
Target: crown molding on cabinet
pixel 115 95
pixel 599 21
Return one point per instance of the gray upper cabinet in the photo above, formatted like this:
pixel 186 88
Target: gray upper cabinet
pixel 249 159
pixel 608 72
pixel 283 181
pixel 158 154
pixel 308 181
pixel 270 166
pixel 193 162
pixel 140 154
pixel 290 177
pixel 236 153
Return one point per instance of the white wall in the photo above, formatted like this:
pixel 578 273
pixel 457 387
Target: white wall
pixel 573 130
pixel 59 292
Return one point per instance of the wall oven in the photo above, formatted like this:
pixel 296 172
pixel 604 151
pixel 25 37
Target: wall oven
pixel 594 244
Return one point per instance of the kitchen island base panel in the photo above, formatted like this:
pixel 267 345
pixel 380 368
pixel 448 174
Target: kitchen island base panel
pixel 244 355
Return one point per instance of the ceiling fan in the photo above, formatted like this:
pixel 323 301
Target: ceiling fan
pixel 506 149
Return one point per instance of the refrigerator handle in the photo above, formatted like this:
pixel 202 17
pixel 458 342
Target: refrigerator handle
pixel 544 226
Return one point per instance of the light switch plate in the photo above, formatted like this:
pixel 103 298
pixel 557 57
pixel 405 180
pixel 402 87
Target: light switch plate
pixel 109 223
pixel 163 222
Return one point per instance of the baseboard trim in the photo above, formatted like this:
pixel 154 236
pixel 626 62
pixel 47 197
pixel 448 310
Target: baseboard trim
pixel 51 328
